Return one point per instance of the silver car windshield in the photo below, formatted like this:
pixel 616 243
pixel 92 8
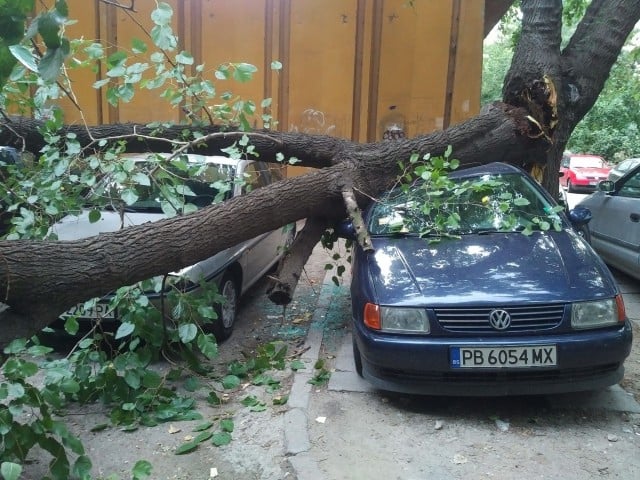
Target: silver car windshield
pixel 492 203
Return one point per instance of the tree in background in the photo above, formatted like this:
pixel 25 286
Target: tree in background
pixel 612 126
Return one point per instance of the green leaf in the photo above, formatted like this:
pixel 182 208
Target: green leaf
pixel 207 345
pixel 203 426
pixel 230 381
pixel 276 65
pixel 71 325
pixel 142 179
pixel 51 63
pixel 141 470
pixel 138 46
pixel 125 329
pixel 297 365
pixel 185 58
pixel 24 56
pixel 132 378
pixel 162 15
pixel 203 437
pixel 227 425
pixel 69 385
pixel 192 384
pixel 151 379
pixel 244 72
pixel 187 332
pixel 94 215
pixel 186 448
pixel 10 471
pixel 221 438
pixel 16 346
pixel 49 28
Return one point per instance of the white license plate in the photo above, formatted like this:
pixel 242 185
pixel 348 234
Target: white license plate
pixel 504 357
pixel 99 310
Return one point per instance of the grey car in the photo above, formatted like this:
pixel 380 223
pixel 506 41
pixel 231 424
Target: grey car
pixel 623 167
pixel 233 270
pixel 614 229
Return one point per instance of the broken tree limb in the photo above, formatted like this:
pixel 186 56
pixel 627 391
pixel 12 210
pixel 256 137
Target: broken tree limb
pixel 284 284
pixel 355 214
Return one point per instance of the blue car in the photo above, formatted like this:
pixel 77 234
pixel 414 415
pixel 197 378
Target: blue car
pixel 486 292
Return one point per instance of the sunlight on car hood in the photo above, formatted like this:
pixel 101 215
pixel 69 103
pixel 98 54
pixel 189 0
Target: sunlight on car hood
pixel 476 269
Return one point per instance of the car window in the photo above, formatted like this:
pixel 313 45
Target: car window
pixel 631 187
pixel 500 202
pixel 587 162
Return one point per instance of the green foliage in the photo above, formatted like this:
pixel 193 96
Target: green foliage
pixel 321 375
pixel 612 126
pixel 428 203
pixel 114 367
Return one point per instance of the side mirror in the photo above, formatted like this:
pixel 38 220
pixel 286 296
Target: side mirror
pixel 580 216
pixel 606 186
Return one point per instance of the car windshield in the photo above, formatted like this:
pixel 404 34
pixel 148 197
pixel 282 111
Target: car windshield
pixel 152 187
pixel 492 203
pixel 587 162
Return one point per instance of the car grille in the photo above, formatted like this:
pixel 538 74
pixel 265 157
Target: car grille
pixel 530 318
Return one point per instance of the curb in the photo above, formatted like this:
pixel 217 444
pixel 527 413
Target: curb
pixel 296 419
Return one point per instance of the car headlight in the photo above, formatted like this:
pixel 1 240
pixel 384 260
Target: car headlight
pixel 599 313
pixel 396 319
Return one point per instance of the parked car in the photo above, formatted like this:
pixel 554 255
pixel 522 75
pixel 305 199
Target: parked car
pixel 582 171
pixel 485 310
pixel 623 167
pixel 614 230
pixel 234 270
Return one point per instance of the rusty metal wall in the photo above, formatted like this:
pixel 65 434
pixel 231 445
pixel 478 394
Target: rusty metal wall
pixel 359 69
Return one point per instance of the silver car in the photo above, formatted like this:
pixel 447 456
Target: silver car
pixel 614 229
pixel 623 167
pixel 234 270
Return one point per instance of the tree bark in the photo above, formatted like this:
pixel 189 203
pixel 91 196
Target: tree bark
pixel 40 279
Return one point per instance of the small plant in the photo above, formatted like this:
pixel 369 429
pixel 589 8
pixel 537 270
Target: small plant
pixel 321 375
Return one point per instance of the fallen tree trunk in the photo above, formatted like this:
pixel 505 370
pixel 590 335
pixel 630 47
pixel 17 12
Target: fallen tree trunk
pixel 32 285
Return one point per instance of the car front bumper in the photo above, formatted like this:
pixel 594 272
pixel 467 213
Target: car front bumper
pixel 586 360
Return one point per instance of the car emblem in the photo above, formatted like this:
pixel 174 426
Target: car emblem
pixel 500 319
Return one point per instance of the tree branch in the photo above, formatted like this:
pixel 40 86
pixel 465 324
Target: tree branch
pixel 355 214
pixel 284 285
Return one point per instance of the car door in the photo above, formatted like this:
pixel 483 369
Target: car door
pixel 615 227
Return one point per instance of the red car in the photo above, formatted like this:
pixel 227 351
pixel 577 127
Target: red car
pixel 582 171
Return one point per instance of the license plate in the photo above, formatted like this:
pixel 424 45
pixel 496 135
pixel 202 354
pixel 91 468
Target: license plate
pixel 504 357
pixel 99 310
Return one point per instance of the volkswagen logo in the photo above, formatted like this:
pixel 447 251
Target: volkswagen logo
pixel 499 319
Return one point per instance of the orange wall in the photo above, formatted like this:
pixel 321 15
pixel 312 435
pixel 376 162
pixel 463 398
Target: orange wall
pixel 350 67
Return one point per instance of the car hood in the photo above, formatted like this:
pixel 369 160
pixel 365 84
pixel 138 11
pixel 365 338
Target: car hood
pixel 487 269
